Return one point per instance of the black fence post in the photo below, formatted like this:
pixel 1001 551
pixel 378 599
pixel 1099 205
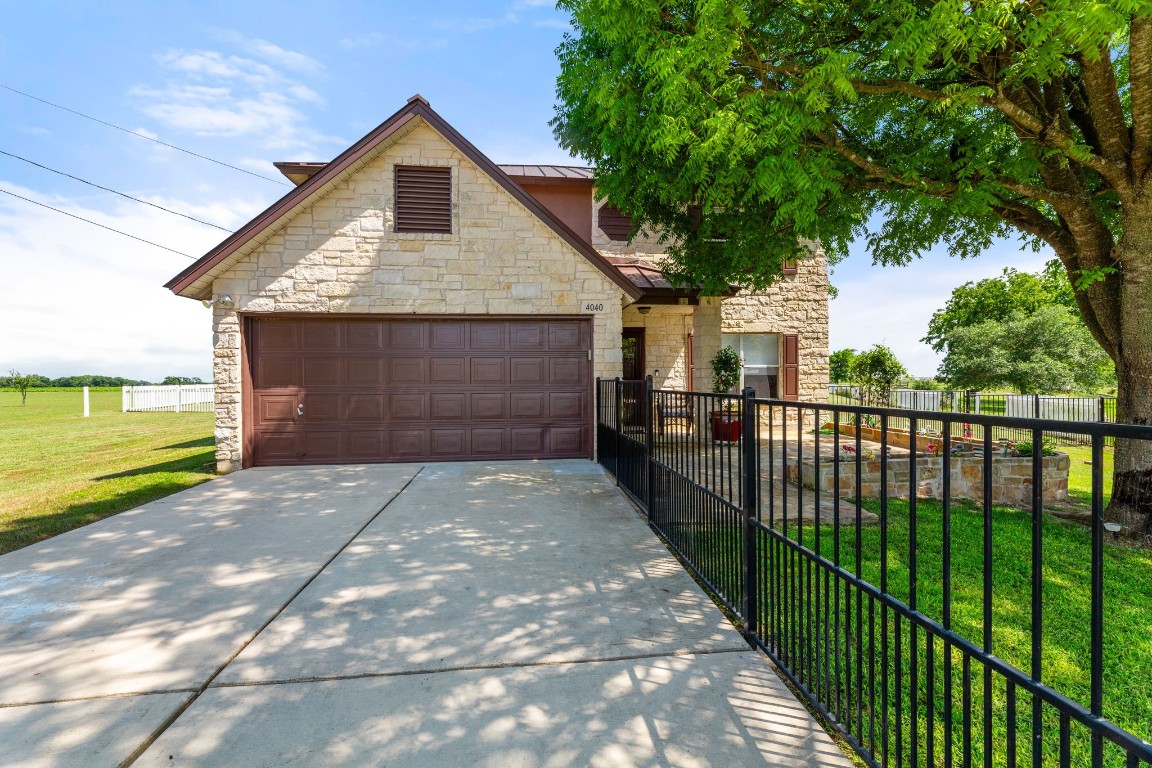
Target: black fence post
pixel 619 421
pixel 750 467
pixel 649 446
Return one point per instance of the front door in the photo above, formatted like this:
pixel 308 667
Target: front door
pixel 632 344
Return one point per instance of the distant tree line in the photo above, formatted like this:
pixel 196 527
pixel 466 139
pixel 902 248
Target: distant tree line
pixel 36 381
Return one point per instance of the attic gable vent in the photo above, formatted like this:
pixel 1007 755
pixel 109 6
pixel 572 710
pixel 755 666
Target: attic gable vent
pixel 614 223
pixel 423 199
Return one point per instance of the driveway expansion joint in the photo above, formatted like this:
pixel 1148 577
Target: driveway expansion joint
pixel 478 667
pixel 180 710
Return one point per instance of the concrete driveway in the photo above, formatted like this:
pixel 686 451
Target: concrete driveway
pixel 505 614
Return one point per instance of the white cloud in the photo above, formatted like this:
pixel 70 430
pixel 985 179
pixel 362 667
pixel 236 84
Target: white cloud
pixel 80 299
pixel 215 93
pixel 271 52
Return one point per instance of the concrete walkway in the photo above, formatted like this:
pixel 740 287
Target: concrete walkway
pixel 506 614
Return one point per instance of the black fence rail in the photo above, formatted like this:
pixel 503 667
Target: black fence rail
pixel 917 591
pixel 1096 409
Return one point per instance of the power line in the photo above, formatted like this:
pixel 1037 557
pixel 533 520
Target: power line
pixel 141 135
pixel 102 226
pixel 115 192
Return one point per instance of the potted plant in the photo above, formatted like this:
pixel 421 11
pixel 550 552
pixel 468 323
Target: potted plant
pixel 726 366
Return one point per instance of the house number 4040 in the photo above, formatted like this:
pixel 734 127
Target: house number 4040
pixel 593 307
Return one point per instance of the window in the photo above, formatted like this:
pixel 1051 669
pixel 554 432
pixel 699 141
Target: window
pixel 423 199
pixel 761 355
pixel 614 222
pixel 790 267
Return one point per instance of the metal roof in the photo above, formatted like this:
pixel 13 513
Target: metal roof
pixel 548 171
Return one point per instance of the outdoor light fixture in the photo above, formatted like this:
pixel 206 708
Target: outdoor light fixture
pixel 224 301
pixel 643 310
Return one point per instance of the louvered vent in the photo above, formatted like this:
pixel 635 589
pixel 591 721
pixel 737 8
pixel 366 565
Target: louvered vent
pixel 615 223
pixel 423 199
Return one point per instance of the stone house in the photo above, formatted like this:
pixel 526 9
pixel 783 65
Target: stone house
pixel 411 300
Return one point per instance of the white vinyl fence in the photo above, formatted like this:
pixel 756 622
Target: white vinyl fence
pixel 175 398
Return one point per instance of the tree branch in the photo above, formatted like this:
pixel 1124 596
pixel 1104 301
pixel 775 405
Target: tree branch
pixel 1104 106
pixel 1140 80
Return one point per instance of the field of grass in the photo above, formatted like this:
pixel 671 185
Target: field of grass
pixel 59 471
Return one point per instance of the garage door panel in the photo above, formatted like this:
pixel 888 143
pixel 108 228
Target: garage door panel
pixel 276 448
pixel 320 334
pixel 323 372
pixel 407 371
pixel 366 445
pixel 488 371
pixel 406 335
pixel 486 335
pixel 567 372
pixel 408 443
pixel 489 405
pixel 526 335
pixel 364 372
pixel 491 441
pixel 447 371
pixel 448 335
pixel 366 334
pixel 272 409
pixel 323 409
pixel 400 389
pixel 277 372
pixel 447 406
pixel 448 443
pixel 407 407
pixel 527 405
pixel 567 440
pixel 528 371
pixel 279 334
pixel 364 407
pixel 319 445
pixel 566 405
pixel 567 336
pixel 528 440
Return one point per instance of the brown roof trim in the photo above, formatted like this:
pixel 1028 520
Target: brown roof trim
pixel 417 106
pixel 298 173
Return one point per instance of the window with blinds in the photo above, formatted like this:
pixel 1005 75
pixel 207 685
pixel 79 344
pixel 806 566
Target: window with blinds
pixel 423 199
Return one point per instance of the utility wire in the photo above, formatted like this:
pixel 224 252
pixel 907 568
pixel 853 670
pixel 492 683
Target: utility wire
pixel 102 226
pixel 113 191
pixel 157 141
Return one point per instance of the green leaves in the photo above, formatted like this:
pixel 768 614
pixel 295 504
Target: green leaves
pixel 800 121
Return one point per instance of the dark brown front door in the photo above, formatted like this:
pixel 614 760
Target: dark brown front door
pixel 334 390
pixel 632 345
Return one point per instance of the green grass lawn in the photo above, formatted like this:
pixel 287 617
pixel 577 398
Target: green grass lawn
pixel 1066 597
pixel 59 471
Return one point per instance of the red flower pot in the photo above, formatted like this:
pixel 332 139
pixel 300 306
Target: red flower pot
pixel 725 427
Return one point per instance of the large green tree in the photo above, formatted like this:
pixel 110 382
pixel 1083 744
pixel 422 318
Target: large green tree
pixel 1048 350
pixel 742 130
pixel 998 298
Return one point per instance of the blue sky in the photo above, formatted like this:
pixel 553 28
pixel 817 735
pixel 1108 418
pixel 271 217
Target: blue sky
pixel 255 82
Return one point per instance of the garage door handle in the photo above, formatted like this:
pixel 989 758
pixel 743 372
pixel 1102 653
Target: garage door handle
pixel 300 409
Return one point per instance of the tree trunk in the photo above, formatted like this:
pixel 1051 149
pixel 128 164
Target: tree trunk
pixel 1131 503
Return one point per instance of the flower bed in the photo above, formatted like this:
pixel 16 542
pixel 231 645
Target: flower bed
pixel 1011 477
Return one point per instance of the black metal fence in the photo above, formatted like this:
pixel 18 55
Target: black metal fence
pixel 922 600
pixel 1096 408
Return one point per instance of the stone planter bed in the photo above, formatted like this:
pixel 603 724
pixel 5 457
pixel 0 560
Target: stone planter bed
pixel 1011 475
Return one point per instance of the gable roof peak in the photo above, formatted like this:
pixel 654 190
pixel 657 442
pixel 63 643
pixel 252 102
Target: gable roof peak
pixel 418 99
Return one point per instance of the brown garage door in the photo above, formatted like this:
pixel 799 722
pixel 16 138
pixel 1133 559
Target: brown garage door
pixel 328 390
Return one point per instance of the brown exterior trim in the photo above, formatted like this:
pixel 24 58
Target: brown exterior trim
pixel 790 267
pixel 416 107
pixel 790 367
pixel 550 181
